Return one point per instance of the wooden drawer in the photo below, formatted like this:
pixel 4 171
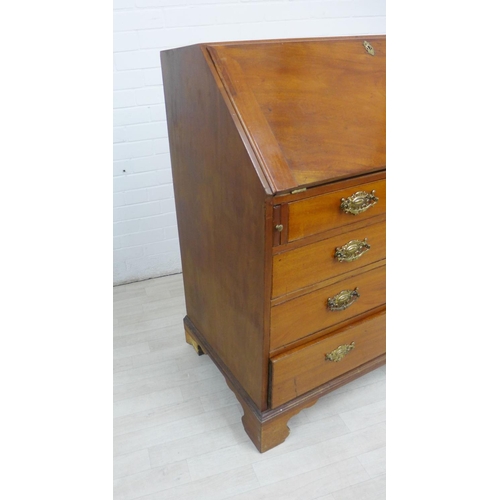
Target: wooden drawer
pixel 309 313
pixel 313 263
pixel 298 371
pixel 322 213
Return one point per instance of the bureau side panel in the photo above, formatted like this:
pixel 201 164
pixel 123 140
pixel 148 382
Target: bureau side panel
pixel 221 212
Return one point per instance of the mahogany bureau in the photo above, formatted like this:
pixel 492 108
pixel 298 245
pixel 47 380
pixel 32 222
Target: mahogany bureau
pixel 278 161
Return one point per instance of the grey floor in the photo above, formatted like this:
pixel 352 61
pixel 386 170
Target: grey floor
pixel 177 428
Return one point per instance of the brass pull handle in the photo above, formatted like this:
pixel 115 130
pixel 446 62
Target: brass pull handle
pixel 352 250
pixel 337 354
pixel 342 300
pixel 358 203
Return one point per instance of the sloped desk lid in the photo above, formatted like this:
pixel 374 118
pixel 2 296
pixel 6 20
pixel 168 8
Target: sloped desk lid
pixel 312 109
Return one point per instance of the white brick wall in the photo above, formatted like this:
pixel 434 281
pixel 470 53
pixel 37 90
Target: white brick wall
pixel 145 230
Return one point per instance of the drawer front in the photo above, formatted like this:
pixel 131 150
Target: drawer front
pixel 314 263
pixel 299 317
pixel 298 371
pixel 322 213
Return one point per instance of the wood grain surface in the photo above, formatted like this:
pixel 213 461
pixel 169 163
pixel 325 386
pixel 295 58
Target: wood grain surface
pixel 316 262
pixel 221 208
pixel 315 108
pixel 321 213
pixel 304 368
pixel 307 314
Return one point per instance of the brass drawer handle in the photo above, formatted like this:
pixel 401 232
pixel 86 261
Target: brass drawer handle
pixel 343 300
pixel 337 354
pixel 358 203
pixel 352 250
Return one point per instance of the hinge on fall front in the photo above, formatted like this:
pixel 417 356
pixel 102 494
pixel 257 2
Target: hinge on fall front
pixel 301 190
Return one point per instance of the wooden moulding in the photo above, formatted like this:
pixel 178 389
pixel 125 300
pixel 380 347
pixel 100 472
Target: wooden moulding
pixel 269 428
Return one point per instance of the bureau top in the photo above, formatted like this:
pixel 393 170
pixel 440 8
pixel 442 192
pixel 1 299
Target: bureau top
pixel 310 111
pixel 313 109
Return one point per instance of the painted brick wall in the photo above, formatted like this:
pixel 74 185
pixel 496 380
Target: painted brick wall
pixel 145 232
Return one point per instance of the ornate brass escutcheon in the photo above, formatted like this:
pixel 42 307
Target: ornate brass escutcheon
pixel 342 300
pixel 352 250
pixel 358 203
pixel 337 354
pixel 369 48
